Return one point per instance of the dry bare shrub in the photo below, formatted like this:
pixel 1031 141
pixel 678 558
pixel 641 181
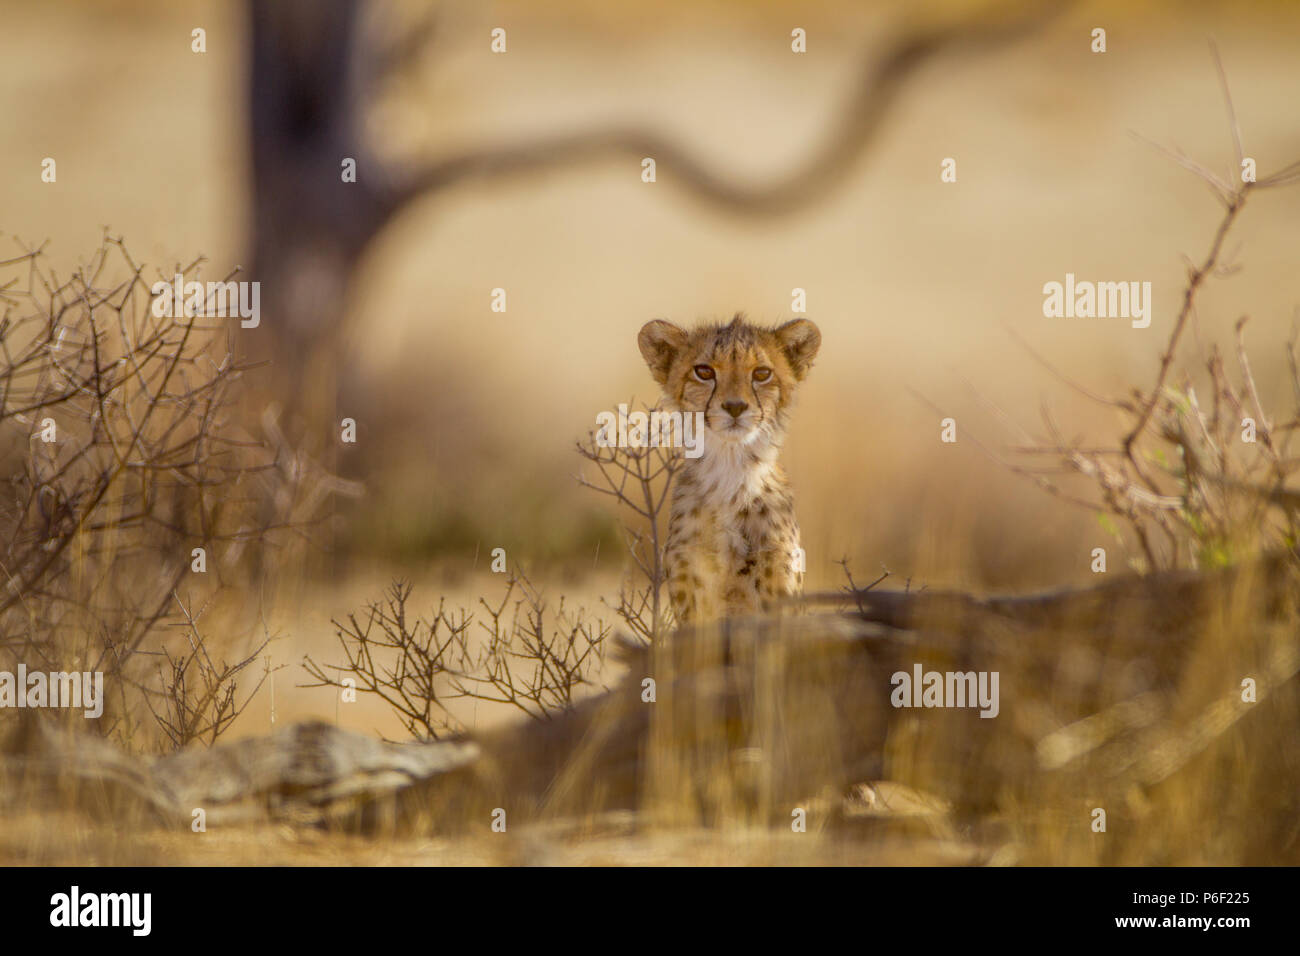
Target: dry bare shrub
pixel 121 454
pixel 640 481
pixel 1187 479
pixel 199 698
pixel 520 653
pixel 533 659
pixel 1168 700
pixel 403 660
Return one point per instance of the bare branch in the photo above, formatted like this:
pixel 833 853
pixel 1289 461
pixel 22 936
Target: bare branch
pixel 874 95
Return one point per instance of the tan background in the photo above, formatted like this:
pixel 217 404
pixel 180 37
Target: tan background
pixel 917 285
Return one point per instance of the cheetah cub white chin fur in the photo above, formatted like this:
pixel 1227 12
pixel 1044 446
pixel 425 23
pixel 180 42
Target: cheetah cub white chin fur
pixel 732 538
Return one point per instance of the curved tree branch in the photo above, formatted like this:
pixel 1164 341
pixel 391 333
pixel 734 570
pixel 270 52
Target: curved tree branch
pixel 875 94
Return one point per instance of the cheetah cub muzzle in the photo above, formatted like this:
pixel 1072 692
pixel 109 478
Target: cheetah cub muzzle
pixel 733 542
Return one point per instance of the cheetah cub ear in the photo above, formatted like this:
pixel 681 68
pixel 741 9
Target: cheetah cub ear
pixel 800 341
pixel 659 342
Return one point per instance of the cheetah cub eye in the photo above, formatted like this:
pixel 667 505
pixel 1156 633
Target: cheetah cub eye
pixel 703 373
pixel 762 374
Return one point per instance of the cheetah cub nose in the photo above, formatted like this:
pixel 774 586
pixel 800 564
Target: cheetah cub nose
pixel 735 407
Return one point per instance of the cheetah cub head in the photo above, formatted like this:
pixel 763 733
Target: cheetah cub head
pixel 741 376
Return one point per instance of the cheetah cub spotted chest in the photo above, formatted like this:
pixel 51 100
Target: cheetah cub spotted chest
pixel 733 542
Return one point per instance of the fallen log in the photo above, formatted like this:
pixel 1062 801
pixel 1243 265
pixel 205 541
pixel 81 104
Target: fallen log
pixel 1100 690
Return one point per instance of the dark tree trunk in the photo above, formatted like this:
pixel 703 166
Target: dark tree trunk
pixel 309 227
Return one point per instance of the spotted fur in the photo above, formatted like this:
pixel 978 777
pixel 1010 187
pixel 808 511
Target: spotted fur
pixel 732 534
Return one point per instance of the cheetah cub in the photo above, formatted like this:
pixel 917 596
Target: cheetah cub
pixel 732 536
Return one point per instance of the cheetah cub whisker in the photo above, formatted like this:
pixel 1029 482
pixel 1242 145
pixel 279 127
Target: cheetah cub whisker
pixel 733 542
